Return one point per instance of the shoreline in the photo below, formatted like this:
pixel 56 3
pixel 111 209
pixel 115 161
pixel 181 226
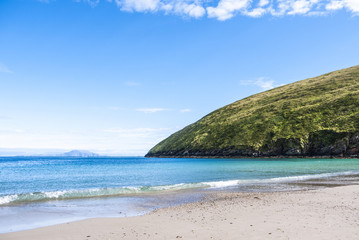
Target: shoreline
pixel 329 213
pixel 257 157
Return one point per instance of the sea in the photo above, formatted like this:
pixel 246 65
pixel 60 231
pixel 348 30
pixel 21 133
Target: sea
pixel 42 191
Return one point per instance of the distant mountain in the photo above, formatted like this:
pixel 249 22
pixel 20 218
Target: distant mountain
pixel 78 153
pixel 313 117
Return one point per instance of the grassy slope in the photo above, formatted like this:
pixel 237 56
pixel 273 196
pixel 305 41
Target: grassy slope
pixel 327 102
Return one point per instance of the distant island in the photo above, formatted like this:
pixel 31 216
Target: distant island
pixel 78 153
pixel 316 117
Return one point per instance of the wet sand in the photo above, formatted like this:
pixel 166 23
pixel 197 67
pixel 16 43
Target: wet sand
pixel 330 213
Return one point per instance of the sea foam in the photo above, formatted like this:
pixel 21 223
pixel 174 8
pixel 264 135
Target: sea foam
pixel 136 190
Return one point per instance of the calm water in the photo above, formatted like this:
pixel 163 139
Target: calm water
pixel 49 190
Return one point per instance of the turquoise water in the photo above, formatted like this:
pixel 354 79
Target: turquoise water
pixel 27 179
pixel 49 190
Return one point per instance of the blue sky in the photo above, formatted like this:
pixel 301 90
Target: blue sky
pixel 116 77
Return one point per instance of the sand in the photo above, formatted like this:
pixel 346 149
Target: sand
pixel 331 213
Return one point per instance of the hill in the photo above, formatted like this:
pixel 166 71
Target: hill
pixel 78 153
pixel 313 117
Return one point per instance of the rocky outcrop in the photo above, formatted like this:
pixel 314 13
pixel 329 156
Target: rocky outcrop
pixel 323 143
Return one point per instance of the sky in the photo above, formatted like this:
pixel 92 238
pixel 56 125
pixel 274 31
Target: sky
pixel 116 77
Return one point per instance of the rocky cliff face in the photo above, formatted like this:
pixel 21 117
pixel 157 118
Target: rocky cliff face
pixel 320 144
pixel 309 118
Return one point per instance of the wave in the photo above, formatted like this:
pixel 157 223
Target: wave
pixel 108 192
pixel 95 192
pixel 233 183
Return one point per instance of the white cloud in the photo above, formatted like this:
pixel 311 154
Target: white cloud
pixel 192 10
pixel 4 68
pixel 185 110
pixel 264 84
pixel 257 12
pixel 226 9
pixel 261 82
pixel 263 3
pixel 151 110
pixel 335 5
pixel 352 5
pixel 299 7
pixel 138 5
pixel 302 6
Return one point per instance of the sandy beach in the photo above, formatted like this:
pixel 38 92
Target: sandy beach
pixel 331 213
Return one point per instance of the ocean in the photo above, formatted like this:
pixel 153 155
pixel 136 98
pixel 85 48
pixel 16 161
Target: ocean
pixel 41 191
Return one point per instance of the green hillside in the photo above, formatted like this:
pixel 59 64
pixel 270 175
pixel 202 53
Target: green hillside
pixel 315 116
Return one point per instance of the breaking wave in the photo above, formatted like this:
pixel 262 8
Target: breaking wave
pixel 108 192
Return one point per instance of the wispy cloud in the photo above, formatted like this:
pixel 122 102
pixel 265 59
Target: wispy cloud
pixel 4 68
pixel 226 9
pixel 262 82
pixel 151 110
pixel 192 8
pixel 185 110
